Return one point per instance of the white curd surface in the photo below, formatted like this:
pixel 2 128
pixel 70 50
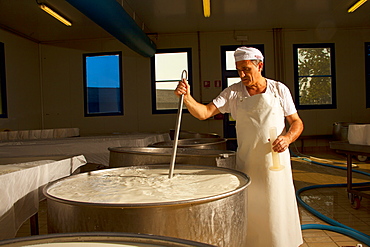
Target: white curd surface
pixel 141 185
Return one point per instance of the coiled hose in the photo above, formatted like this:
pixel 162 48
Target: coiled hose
pixel 335 226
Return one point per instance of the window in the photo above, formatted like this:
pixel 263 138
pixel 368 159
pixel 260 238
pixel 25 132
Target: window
pixel 103 84
pixel 167 67
pixel 3 101
pixel 314 76
pixel 367 71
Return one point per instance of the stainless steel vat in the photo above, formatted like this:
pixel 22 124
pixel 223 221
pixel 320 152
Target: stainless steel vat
pixel 200 143
pixel 184 134
pixel 138 156
pixel 217 220
pixel 101 239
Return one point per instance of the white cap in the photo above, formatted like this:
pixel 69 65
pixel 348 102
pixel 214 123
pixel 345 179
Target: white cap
pixel 247 53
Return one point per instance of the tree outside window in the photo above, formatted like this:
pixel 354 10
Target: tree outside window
pixel 314 76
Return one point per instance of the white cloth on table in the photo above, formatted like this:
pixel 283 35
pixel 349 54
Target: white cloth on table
pixel 21 188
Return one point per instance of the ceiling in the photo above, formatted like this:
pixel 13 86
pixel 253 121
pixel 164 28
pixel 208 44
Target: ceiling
pixel 175 16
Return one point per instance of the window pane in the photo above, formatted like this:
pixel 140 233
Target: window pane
pixel 230 61
pixel 103 84
pixel 168 68
pixel 166 99
pixel 314 61
pixel 315 90
pixel 314 74
pixel 232 80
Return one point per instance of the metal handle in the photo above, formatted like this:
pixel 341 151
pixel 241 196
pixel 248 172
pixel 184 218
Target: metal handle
pixel 177 129
pixel 186 75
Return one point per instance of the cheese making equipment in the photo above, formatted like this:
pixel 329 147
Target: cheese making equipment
pixel 200 143
pixel 99 239
pixel 138 156
pixel 217 217
pixel 185 134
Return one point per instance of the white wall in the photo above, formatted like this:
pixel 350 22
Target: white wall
pixel 22 83
pixel 350 75
pixel 61 80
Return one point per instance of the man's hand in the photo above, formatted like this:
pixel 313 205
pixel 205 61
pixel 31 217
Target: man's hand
pixel 183 88
pixel 281 144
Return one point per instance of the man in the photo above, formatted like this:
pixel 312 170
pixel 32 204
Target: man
pixel 259 104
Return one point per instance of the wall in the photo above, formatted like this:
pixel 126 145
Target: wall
pixel 350 73
pixel 350 70
pixel 22 83
pixel 63 87
pixel 55 99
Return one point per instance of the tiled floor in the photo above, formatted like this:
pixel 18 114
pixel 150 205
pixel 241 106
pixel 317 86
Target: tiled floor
pixel 332 202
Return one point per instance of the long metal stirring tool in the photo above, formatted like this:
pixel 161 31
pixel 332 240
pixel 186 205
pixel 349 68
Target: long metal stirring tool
pixel 177 129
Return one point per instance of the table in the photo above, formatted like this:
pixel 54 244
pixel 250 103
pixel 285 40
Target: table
pixel 94 148
pixel 355 192
pixel 21 187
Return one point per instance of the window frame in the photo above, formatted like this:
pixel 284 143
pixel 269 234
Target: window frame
pixel 121 110
pixel 367 73
pixel 333 105
pixel 153 81
pixel 4 107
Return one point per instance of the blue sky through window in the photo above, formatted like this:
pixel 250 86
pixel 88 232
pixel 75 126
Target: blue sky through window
pixel 103 71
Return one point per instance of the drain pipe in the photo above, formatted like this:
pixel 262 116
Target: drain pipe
pixel 111 16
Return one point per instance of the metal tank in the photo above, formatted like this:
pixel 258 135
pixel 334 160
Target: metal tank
pixel 99 239
pixel 218 220
pixel 199 143
pixel 185 134
pixel 138 156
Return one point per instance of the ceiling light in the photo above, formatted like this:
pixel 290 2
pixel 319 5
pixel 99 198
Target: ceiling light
pixel 55 14
pixel 207 8
pixel 356 6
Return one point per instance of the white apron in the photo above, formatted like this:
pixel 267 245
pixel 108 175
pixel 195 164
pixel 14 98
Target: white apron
pixel 272 213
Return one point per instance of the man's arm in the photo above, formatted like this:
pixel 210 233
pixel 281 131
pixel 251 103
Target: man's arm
pixel 196 109
pixel 296 127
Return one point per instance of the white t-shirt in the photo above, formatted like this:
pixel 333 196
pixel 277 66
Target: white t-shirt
pixel 227 100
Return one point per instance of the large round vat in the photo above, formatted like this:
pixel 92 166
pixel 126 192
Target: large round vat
pixel 201 143
pixel 123 156
pixel 99 239
pixel 199 203
pixel 184 134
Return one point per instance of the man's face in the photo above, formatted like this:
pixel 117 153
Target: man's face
pixel 249 73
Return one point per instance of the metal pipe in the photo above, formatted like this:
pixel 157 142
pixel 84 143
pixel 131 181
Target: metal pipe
pixel 111 16
pixel 177 129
